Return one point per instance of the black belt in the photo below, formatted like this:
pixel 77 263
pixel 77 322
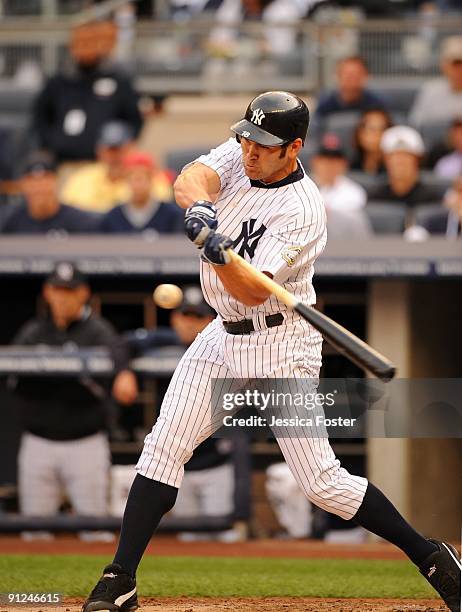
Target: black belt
pixel 246 326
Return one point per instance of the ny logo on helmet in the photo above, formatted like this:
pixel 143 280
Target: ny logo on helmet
pixel 257 116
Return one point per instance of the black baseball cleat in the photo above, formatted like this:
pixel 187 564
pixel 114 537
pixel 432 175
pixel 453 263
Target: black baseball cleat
pixel 115 591
pixel 442 569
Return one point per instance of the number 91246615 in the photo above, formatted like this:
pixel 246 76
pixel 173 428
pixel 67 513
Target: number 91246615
pixel 30 598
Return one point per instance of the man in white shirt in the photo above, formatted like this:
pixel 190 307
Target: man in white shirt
pixel 441 99
pixel 344 199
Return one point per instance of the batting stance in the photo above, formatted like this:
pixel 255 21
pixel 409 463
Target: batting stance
pixel 255 190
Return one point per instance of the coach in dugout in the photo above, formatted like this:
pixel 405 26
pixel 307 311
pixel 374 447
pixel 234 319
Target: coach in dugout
pixel 64 447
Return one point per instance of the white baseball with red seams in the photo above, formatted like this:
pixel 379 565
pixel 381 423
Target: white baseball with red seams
pixel 280 228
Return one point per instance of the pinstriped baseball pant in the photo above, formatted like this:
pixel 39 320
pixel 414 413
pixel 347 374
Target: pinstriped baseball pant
pixel 291 350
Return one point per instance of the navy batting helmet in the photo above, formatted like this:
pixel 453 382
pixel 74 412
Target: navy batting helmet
pixel 274 118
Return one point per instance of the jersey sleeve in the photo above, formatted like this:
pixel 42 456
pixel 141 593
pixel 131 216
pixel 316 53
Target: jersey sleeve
pixel 222 159
pixel 294 240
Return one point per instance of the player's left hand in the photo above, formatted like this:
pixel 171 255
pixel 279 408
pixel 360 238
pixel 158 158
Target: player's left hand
pixel 200 219
pixel 215 249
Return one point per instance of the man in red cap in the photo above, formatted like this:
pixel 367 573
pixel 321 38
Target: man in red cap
pixel 141 212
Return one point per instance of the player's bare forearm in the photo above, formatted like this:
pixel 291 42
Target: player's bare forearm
pixel 241 286
pixel 198 182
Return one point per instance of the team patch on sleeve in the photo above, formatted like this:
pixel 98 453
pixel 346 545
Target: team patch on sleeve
pixel 290 254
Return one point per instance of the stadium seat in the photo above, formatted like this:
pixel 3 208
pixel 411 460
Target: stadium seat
pixel 434 133
pixel 343 124
pixel 425 212
pixel 368 181
pixel 16 100
pixel 387 217
pixel 177 159
pixel 432 180
pixel 14 142
pixel 399 98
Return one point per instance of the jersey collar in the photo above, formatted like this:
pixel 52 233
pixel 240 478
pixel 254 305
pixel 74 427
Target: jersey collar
pixel 295 176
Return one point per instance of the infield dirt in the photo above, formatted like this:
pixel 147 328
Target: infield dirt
pixel 270 604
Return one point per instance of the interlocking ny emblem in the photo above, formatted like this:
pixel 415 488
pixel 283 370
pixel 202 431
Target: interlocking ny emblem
pixel 257 116
pixel 248 239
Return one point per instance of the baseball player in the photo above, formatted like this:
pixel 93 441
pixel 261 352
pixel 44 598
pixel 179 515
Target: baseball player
pixel 254 189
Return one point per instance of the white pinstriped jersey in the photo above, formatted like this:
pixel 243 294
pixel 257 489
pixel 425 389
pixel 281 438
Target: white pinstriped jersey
pixel 280 228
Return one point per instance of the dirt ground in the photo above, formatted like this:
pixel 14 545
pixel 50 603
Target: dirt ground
pixel 169 546
pixel 269 604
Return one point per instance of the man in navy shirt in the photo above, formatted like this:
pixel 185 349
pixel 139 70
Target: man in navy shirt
pixel 351 93
pixel 141 212
pixel 74 104
pixel 41 211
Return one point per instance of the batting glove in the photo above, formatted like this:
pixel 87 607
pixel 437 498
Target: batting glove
pixel 200 219
pixel 216 249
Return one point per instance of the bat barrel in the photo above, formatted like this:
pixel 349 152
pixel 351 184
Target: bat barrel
pixel 348 344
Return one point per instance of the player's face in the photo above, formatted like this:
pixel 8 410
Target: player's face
pixel 40 192
pixel 188 325
pixel 269 164
pixel 92 42
pixel 456 137
pixel 65 303
pixel 453 72
pixel 113 158
pixel 352 78
pixel 327 169
pixel 139 180
pixel 402 165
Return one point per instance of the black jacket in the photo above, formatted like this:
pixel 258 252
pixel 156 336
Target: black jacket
pixel 64 408
pixel 70 110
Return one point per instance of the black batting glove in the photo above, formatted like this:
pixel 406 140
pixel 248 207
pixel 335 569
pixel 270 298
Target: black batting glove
pixel 216 249
pixel 200 219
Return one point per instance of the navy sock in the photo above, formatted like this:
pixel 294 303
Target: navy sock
pixel 147 503
pixel 378 515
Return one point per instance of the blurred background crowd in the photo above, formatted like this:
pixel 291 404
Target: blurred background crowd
pixel 103 103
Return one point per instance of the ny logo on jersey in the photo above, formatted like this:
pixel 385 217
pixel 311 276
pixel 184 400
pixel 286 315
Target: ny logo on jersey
pixel 248 239
pixel 257 116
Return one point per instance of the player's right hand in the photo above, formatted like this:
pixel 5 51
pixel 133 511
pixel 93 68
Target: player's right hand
pixel 200 219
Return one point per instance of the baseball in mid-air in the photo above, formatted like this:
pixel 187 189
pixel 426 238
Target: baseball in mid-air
pixel 167 296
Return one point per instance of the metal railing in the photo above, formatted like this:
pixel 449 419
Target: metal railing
pixel 200 57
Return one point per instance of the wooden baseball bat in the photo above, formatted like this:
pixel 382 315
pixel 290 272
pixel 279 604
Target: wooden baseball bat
pixel 338 336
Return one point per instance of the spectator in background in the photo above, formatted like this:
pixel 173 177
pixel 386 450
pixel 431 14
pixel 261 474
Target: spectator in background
pixel 351 93
pixel 141 212
pixel 64 445
pixel 441 99
pixel 344 198
pixel 448 220
pixel 368 156
pixel 450 165
pixel 41 211
pixel 72 108
pixel 403 149
pixel 277 40
pixel 100 185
